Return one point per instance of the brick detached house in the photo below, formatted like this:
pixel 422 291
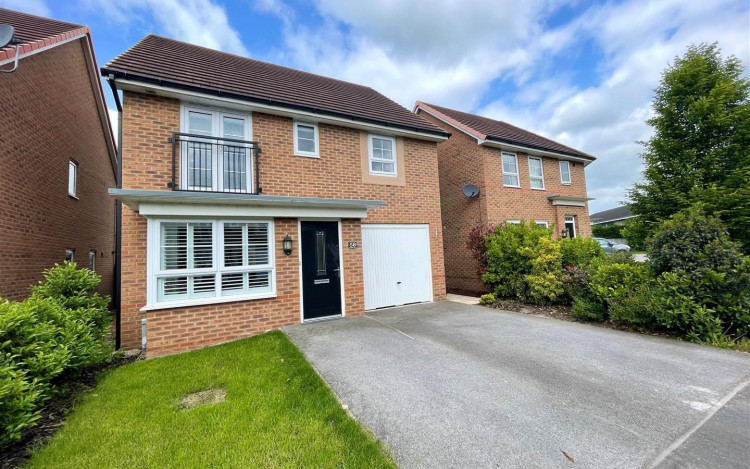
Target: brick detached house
pixel 57 155
pixel 520 176
pixel 257 196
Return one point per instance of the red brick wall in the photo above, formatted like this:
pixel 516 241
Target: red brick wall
pixel 463 161
pixel 49 116
pixel 147 123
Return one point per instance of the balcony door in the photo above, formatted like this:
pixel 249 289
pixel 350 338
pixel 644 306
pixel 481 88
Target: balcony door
pixel 222 161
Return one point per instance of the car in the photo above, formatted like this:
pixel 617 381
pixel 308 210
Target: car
pixel 611 246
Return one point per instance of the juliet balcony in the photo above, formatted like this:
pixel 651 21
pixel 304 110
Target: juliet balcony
pixel 213 164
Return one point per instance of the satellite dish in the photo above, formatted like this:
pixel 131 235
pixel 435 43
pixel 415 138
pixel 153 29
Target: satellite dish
pixel 470 190
pixel 6 34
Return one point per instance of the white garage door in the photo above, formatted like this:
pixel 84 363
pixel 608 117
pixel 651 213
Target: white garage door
pixel 397 267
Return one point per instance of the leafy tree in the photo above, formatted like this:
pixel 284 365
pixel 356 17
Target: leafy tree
pixel 700 150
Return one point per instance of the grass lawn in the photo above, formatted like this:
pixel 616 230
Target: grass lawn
pixel 277 413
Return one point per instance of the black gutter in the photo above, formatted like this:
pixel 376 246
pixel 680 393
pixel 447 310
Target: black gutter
pixel 267 101
pixel 117 287
pixel 537 147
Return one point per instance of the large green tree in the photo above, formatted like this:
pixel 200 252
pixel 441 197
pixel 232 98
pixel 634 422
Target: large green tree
pixel 700 149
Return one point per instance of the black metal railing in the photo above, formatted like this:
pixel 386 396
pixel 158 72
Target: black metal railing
pixel 214 164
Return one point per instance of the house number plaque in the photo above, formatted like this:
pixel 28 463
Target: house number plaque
pixel 353 245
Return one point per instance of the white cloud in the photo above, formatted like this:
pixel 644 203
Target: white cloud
pixel 35 7
pixel 200 22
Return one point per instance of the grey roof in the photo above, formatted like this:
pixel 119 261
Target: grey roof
pixel 613 214
pixel 224 198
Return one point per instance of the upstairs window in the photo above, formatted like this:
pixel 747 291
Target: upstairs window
pixel 306 139
pixel 72 178
pixel 510 170
pixel 536 173
pixel 92 261
pixel 382 155
pixel 222 160
pixel 565 172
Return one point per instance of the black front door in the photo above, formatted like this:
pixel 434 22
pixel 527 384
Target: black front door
pixel 321 269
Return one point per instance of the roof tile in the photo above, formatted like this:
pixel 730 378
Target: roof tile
pixel 161 60
pixel 34 32
pixel 491 129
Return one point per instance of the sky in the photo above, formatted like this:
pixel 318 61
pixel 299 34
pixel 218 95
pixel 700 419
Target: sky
pixel 579 72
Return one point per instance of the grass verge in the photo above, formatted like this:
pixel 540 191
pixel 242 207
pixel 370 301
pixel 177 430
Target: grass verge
pixel 277 412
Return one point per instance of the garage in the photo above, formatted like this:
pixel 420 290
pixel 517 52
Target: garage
pixel 396 263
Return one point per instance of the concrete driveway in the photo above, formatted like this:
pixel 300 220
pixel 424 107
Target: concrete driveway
pixel 455 385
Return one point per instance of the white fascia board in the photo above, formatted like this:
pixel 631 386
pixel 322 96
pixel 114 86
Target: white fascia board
pixel 246 106
pixel 22 55
pixel 571 203
pixel 243 211
pixel 532 151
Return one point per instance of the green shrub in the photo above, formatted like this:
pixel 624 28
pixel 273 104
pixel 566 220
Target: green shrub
pixel 611 280
pixel 609 232
pixel 507 265
pixel 544 284
pixel 487 299
pixel 696 246
pixel 19 399
pixel 47 340
pixel 677 309
pixel 639 309
pixel 588 308
pixel 692 242
pixel 579 252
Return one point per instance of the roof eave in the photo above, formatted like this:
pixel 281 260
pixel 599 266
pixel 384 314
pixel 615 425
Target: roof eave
pixel 128 80
pixel 133 198
pixel 495 142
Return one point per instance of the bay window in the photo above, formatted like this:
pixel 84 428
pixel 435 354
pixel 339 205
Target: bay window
pixel 205 261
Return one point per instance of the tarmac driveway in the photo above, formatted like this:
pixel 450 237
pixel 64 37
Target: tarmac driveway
pixel 454 385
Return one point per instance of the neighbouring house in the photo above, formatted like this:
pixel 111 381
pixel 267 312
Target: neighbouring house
pixel 612 217
pixel 520 176
pixel 57 155
pixel 257 196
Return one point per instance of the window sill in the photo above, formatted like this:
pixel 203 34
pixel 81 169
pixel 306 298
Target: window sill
pixel 307 155
pixel 565 183
pixel 512 187
pixel 537 189
pixel 73 196
pixel 208 301
pixel 387 175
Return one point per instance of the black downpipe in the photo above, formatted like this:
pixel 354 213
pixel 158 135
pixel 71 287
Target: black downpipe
pixel 117 287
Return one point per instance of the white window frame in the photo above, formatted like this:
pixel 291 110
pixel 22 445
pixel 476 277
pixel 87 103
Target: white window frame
pixel 513 222
pixel 371 158
pixel 542 223
pixel 570 177
pixel 297 151
pixel 217 131
pixel 533 178
pixel 72 178
pixel 572 219
pixel 154 271
pixel 506 173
